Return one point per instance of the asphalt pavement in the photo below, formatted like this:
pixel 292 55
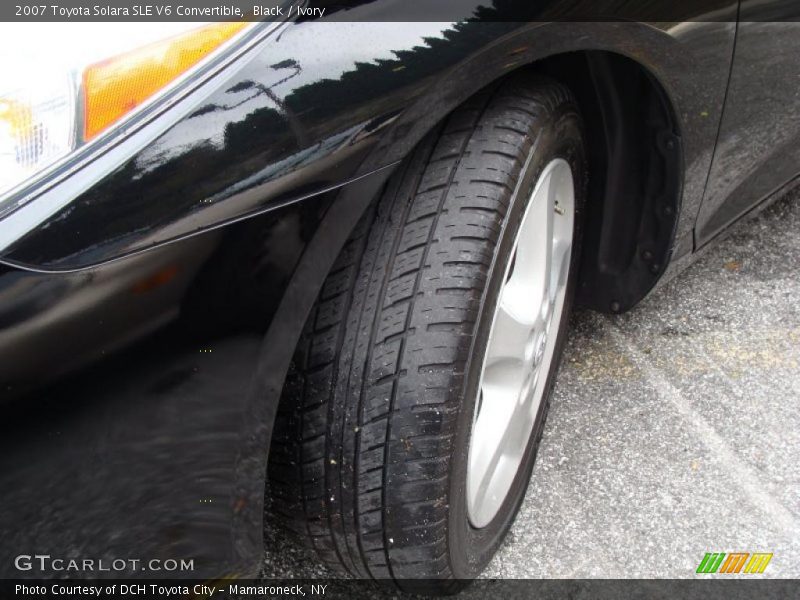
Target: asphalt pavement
pixel 674 429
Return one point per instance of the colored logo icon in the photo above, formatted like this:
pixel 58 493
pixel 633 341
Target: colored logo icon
pixel 734 562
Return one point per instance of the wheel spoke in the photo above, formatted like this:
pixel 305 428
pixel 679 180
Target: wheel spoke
pixel 521 342
pixel 562 252
pixel 534 246
pixel 513 322
pixel 561 244
pixel 512 422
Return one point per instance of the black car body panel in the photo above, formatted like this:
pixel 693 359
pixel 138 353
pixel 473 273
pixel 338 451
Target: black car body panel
pixel 759 141
pixel 147 324
pixel 282 128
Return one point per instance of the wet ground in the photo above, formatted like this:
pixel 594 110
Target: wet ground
pixel 674 430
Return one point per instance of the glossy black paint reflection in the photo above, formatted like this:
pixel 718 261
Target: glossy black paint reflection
pixel 306 112
pixel 759 142
pixel 289 124
pixel 142 453
pixel 138 395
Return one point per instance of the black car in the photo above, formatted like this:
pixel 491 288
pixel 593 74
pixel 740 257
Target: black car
pixel 337 255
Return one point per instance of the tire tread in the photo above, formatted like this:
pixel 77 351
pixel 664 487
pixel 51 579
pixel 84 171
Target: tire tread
pixel 387 344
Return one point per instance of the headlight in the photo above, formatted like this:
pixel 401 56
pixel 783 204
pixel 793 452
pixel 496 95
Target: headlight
pixel 63 85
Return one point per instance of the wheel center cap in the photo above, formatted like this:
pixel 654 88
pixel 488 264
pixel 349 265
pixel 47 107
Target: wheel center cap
pixel 534 348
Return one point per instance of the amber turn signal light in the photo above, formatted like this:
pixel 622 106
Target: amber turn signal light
pixel 114 87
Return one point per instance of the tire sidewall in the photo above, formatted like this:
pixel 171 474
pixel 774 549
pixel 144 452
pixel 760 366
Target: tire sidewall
pixel 559 135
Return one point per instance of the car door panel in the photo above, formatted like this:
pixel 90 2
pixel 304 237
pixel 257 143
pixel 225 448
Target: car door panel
pixel 758 151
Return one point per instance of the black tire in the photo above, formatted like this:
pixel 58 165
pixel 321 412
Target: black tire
pixel 368 461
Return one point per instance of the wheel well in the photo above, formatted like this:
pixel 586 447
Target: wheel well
pixel 635 175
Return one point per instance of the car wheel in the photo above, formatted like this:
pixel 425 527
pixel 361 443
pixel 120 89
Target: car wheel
pixel 410 420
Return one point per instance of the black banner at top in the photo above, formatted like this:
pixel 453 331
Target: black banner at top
pixel 398 10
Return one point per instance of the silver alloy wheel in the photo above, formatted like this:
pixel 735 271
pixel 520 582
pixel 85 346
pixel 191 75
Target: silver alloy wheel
pixel 521 342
